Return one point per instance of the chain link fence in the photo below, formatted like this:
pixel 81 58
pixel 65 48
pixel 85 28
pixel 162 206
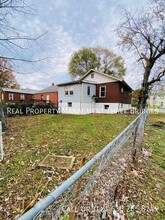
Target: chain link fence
pixel 90 193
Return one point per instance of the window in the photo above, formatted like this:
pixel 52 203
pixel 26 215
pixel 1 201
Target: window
pixel 11 96
pixel 71 90
pixel 106 106
pixel 68 90
pixel 102 91
pixel 47 97
pixel 122 90
pixel 22 97
pixel 121 105
pixel 92 75
pixel 69 104
pixel 88 90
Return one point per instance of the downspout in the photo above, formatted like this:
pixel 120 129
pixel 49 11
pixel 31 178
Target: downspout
pixel 81 95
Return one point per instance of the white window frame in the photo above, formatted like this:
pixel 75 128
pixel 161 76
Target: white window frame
pixel 100 92
pixel 69 90
pixel 11 96
pixel 22 97
pixel 47 97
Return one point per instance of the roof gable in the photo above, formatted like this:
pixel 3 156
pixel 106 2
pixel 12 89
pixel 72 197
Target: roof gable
pixel 100 78
pixel 101 74
pixel 52 88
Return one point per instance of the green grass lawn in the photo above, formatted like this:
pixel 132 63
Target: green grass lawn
pixel 30 138
pixel 146 190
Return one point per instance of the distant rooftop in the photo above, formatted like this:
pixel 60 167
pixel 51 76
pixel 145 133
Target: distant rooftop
pixel 52 88
pixel 23 91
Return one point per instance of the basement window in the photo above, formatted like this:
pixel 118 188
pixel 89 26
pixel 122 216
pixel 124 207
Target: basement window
pixel 106 106
pixel 69 104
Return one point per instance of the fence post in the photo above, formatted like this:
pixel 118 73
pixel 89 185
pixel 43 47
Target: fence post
pixel 77 192
pixel 134 141
pixel 1 144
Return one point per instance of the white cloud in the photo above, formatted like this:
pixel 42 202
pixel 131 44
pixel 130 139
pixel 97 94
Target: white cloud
pixel 69 28
pixel 58 49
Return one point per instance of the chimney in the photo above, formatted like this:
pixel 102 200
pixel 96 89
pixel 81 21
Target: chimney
pixel 52 84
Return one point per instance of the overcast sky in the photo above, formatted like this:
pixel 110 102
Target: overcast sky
pixel 71 25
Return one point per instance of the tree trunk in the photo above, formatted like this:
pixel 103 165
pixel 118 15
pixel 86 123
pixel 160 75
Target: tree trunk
pixel 143 95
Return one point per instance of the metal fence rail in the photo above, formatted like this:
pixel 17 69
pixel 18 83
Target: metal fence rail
pixel 90 192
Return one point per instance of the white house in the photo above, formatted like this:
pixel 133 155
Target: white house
pixel 95 92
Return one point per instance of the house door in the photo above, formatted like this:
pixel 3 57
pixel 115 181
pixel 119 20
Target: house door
pixel 47 98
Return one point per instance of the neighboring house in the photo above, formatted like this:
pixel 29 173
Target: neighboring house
pixel 95 92
pixel 48 95
pixel 8 95
pixel 157 100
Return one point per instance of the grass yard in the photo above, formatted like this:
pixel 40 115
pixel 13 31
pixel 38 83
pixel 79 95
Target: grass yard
pixel 144 184
pixel 31 138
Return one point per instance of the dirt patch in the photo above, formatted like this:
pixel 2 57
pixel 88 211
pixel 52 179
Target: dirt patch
pixel 55 161
pixel 159 124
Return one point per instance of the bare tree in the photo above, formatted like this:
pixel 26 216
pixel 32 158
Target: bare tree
pixel 13 42
pixel 145 34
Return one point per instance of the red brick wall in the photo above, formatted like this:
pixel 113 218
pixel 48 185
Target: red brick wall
pixel 113 93
pixel 53 97
pixel 16 97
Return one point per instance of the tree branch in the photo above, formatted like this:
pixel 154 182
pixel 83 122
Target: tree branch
pixel 159 77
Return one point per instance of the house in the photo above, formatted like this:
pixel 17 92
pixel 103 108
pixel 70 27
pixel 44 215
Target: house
pixel 8 95
pixel 48 95
pixel 157 99
pixel 95 92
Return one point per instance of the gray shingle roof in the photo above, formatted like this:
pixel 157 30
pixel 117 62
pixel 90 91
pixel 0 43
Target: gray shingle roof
pixel 23 91
pixel 52 88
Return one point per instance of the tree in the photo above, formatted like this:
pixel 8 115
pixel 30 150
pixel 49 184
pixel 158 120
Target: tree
pixel 7 78
pixel 145 34
pixel 97 58
pixel 82 61
pixel 13 42
pixel 109 62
